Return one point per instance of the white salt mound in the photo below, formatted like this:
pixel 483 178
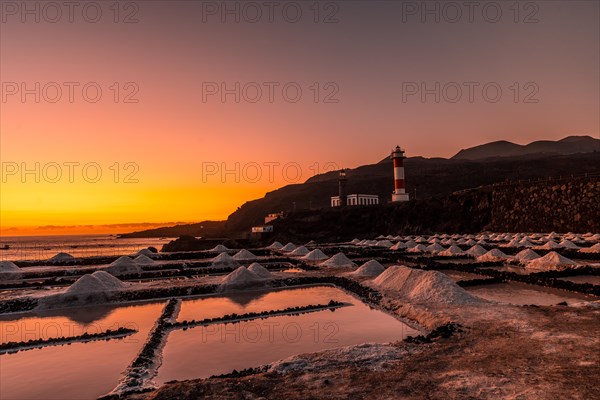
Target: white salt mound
pixel 370 269
pixel 86 284
pixel 384 243
pixel 435 248
pixel 62 257
pixel 299 251
pixel 244 255
pixel 398 246
pixel 410 243
pixel 110 282
pixel 224 260
pixel 551 261
pixel 241 278
pixel 123 266
pixel 423 286
pixel 493 255
pixel 550 245
pixel 220 249
pixel 275 246
pixel 145 252
pixel 315 255
pixel 594 249
pixel 123 261
pixel 338 260
pixel 526 255
pixel 453 250
pixel 567 244
pixel 97 282
pixel 525 243
pixel 476 251
pixel 259 270
pixel 144 260
pixel 9 266
pixel 418 248
pixel 9 271
pixel 288 247
pixel 513 243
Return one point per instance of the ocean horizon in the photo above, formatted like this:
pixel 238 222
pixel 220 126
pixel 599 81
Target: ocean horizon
pixel 19 248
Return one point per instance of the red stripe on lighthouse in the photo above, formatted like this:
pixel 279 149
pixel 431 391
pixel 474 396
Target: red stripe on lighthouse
pixel 399 183
pixel 398 162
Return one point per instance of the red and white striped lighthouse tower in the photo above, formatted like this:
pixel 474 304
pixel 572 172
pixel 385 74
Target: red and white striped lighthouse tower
pixel 399 186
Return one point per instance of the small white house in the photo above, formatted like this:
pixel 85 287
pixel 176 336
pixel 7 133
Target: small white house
pixel 273 217
pixel 262 229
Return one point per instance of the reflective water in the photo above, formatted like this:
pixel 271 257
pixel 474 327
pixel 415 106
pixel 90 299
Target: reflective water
pixel 75 371
pixel 217 349
pixel 89 370
pixel 256 301
pixel 44 247
pixel 520 294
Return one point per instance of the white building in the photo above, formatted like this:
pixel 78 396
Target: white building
pixel 356 200
pixel 273 217
pixel 262 229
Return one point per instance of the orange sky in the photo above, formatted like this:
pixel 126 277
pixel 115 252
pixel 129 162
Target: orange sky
pixel 171 135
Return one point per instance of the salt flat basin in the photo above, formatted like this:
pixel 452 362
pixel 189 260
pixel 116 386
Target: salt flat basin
pixel 456 260
pixel 517 269
pixel 259 300
pixel 593 279
pixel 217 349
pixel 77 371
pixel 521 293
pixel 462 276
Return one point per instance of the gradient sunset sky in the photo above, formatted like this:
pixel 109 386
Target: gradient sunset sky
pixel 364 55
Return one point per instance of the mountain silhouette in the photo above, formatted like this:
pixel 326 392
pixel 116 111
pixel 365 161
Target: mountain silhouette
pixel 502 148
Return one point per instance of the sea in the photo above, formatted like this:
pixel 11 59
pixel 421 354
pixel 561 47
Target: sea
pixel 14 248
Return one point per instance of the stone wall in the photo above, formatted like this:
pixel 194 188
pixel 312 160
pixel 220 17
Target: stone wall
pixel 571 205
pixel 558 205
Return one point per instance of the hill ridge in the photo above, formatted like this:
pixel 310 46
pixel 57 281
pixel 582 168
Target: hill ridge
pixel 504 148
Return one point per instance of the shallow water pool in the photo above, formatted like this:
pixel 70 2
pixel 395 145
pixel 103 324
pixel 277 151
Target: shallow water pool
pixel 75 371
pixel 220 348
pixel 462 276
pixel 521 294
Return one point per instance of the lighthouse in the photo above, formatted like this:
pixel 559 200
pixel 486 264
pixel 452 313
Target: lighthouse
pixel 342 188
pixel 399 193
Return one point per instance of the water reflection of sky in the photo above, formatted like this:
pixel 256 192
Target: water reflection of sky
pixel 78 370
pixel 89 370
pixel 220 348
